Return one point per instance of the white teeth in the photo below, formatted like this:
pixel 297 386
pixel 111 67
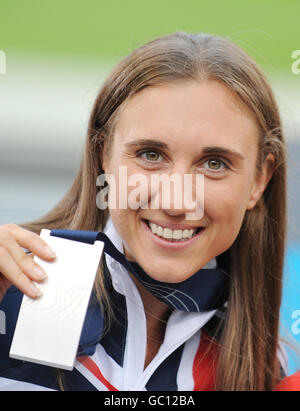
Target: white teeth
pixel 186 233
pixel 178 234
pixel 159 230
pixel 153 227
pixel 167 233
pixel 171 234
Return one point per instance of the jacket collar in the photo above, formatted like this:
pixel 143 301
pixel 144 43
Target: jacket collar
pixel 121 282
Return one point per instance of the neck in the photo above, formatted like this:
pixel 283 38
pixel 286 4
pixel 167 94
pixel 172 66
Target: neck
pixel 157 314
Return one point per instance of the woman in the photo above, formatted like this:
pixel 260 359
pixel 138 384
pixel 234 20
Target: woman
pixel 179 105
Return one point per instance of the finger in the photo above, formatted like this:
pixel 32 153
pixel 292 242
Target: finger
pixel 23 260
pixel 31 241
pixel 11 271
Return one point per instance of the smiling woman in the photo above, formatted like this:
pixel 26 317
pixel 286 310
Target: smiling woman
pixel 200 112
pixel 186 303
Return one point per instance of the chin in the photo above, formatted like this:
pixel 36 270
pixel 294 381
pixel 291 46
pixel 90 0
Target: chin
pixel 167 274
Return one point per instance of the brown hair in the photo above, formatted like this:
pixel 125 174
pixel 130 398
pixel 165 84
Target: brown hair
pixel 249 338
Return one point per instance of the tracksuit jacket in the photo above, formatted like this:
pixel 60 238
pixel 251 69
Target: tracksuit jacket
pixel 114 361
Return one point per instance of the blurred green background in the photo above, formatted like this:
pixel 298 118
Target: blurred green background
pixel 58 52
pixel 267 29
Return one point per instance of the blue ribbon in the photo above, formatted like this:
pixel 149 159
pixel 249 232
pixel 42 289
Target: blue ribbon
pixel 205 290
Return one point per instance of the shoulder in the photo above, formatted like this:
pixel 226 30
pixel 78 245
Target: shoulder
pixel 290 383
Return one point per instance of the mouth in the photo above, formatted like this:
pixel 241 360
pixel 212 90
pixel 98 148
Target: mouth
pixel 174 234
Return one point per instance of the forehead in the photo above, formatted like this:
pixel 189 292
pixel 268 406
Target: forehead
pixel 190 112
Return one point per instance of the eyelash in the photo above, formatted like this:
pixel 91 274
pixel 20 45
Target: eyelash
pixel 141 152
pixel 225 165
pixel 145 151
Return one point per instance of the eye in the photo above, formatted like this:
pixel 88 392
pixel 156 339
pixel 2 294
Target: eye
pixel 215 165
pixel 150 155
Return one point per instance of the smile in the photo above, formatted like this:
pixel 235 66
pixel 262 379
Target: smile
pixel 173 234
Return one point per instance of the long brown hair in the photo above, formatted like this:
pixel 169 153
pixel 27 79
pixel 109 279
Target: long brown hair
pixel 249 339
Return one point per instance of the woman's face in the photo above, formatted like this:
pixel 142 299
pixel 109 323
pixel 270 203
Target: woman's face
pixel 189 128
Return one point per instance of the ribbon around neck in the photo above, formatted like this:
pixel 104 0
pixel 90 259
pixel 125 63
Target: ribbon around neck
pixel 205 290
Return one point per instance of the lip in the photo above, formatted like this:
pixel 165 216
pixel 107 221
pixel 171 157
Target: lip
pixel 175 226
pixel 169 245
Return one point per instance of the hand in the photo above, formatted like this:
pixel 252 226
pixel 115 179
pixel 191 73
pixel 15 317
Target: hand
pixel 18 268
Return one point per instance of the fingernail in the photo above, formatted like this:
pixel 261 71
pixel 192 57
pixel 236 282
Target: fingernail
pixel 34 291
pixel 50 251
pixel 39 272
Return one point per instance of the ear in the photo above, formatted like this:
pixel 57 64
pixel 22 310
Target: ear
pixel 261 181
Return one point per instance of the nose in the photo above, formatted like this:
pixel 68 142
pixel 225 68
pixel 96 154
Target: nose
pixel 180 192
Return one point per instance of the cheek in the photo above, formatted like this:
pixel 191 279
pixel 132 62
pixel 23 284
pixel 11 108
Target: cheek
pixel 119 220
pixel 132 187
pixel 123 222
pixel 225 206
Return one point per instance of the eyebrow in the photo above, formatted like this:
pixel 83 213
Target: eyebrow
pixel 223 150
pixel 205 150
pixel 146 143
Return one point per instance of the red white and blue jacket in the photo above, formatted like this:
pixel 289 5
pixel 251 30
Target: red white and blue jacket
pixel 114 361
